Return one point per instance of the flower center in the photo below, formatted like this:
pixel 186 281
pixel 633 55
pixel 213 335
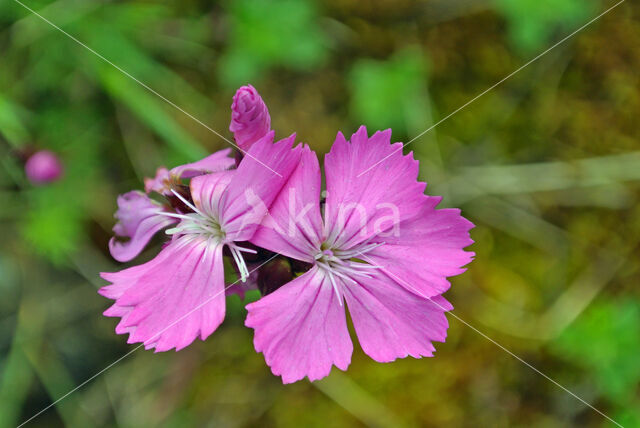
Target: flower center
pixel 327 257
pixel 207 226
pixel 344 264
pixel 196 222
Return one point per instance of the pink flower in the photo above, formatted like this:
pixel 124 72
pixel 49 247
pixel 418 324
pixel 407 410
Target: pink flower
pixel 179 295
pixel 139 217
pixel 381 246
pixel 43 167
pixel 250 119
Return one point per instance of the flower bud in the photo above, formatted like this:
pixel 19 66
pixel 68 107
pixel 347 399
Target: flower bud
pixel 43 167
pixel 274 275
pixel 299 267
pixel 250 119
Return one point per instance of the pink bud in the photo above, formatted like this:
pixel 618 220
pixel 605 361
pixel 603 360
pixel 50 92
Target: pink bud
pixel 250 119
pixel 43 167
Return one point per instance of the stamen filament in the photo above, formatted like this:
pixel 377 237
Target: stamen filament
pixel 187 203
pixel 181 216
pixel 334 284
pixel 338 263
pixel 236 252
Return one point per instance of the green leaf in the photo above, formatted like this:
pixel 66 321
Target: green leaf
pixel 11 126
pixel 146 106
pixel 392 93
pixel 266 33
pixel 53 223
pixel 606 341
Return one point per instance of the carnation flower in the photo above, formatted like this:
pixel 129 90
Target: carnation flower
pixel 381 246
pixel 214 210
pixel 180 294
pixel 140 217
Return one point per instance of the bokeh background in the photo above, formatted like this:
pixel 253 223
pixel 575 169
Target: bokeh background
pixel 547 165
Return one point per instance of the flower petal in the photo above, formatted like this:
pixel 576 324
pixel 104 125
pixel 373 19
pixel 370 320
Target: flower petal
pixel 167 302
pixel 206 191
pixel 426 249
pixel 293 226
pixel 139 219
pixel 301 329
pixel 256 183
pixel 392 322
pixel 362 202
pixel 215 162
pixel 161 183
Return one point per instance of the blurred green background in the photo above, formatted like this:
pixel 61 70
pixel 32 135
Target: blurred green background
pixel 547 166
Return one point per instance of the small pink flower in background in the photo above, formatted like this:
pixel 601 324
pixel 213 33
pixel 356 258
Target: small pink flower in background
pixel 381 246
pixel 43 167
pixel 250 118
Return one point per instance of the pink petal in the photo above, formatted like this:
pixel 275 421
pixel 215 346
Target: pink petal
pixel 206 191
pixel 218 161
pixel 161 183
pixel 259 178
pixel 426 249
pixel 301 329
pixel 392 322
pixel 362 202
pixel 139 219
pixel 293 226
pixel 169 301
pixel 215 162
pixel 250 120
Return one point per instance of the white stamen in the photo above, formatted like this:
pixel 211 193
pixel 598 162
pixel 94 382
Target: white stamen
pixel 339 263
pixel 236 252
pixel 343 276
pixel 246 250
pixel 208 226
pixel 349 254
pixel 187 203
pixel 174 215
pixel 335 286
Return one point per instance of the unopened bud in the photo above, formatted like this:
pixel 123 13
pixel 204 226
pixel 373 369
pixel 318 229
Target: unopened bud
pixel 43 167
pixel 274 275
pixel 298 266
pixel 250 118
